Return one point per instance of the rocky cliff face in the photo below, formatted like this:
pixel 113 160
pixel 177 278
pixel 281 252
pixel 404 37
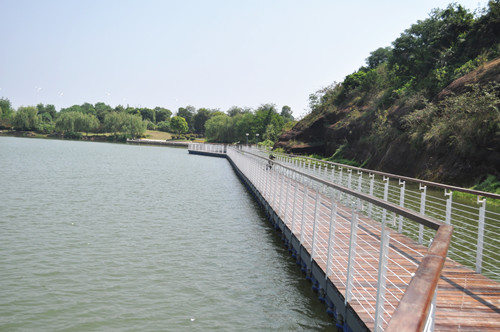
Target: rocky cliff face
pixel 387 145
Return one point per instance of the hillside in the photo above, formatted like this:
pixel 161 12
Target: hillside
pixel 408 114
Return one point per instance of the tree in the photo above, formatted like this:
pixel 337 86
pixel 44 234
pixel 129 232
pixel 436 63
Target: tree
pixel 66 122
pixel 162 114
pixel 265 115
pixel 179 125
pixel 6 108
pixel 164 126
pixel 286 113
pixel 86 123
pixel 113 122
pixel 425 54
pixel 148 114
pixel 101 110
pixel 187 113
pixel 47 112
pixel 200 119
pixel 133 125
pixel 219 129
pixel 235 110
pixel 379 56
pixel 26 118
pixel 6 113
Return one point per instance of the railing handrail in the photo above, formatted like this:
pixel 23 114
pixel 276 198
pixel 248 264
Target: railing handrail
pixel 417 299
pixel 405 178
pixel 419 218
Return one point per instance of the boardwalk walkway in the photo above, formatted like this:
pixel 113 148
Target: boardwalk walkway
pixel 369 263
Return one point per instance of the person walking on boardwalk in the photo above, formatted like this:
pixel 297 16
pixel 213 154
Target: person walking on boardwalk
pixel 271 158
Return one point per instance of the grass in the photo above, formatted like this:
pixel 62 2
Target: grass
pixel 157 135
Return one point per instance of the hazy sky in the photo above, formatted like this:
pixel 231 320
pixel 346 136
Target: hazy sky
pixel 211 53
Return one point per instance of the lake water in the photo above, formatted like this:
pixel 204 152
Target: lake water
pixel 115 237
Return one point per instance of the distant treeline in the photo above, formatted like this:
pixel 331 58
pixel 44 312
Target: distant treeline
pixel 133 122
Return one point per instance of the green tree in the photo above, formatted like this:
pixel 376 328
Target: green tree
pixel 425 53
pixel 235 110
pixel 26 118
pixel 200 119
pixel 113 122
pixel 187 113
pixel 286 113
pixel 164 126
pixel 219 129
pixel 379 56
pixel 101 110
pixel 162 114
pixel 179 125
pixel 88 108
pixel 86 123
pixel 265 115
pixel 148 114
pixel 65 123
pixel 133 125
pixel 6 113
pixel 47 113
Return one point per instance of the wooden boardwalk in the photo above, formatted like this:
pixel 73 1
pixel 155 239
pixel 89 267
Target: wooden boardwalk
pixel 466 301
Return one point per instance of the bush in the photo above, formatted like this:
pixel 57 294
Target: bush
pixel 73 135
pixel 45 128
pixel 490 184
pixel 163 126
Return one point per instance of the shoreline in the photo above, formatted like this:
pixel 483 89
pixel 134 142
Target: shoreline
pixel 95 138
pixel 158 142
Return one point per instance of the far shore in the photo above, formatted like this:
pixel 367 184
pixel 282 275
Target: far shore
pixel 158 142
pixel 95 138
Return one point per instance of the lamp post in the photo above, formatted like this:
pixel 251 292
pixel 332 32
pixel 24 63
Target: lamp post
pixel 247 138
pixel 257 138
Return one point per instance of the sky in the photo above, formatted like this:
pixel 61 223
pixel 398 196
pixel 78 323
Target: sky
pixel 203 53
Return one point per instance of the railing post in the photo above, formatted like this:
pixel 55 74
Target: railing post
pixel 422 211
pixel 281 190
pixel 351 258
pixel 303 215
pixel 401 203
pixel 386 195
pixel 316 206
pixel 274 181
pixel 286 196
pixel 331 238
pixel 429 324
pixel 294 203
pixel 349 177
pixel 382 275
pixel 268 184
pixel 480 234
pixel 449 200
pixel 370 192
pixel 360 180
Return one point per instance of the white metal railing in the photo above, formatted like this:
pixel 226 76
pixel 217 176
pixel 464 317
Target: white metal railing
pixel 333 225
pixel 206 147
pixel 476 220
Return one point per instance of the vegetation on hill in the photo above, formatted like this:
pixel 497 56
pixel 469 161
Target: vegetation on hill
pixel 428 106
